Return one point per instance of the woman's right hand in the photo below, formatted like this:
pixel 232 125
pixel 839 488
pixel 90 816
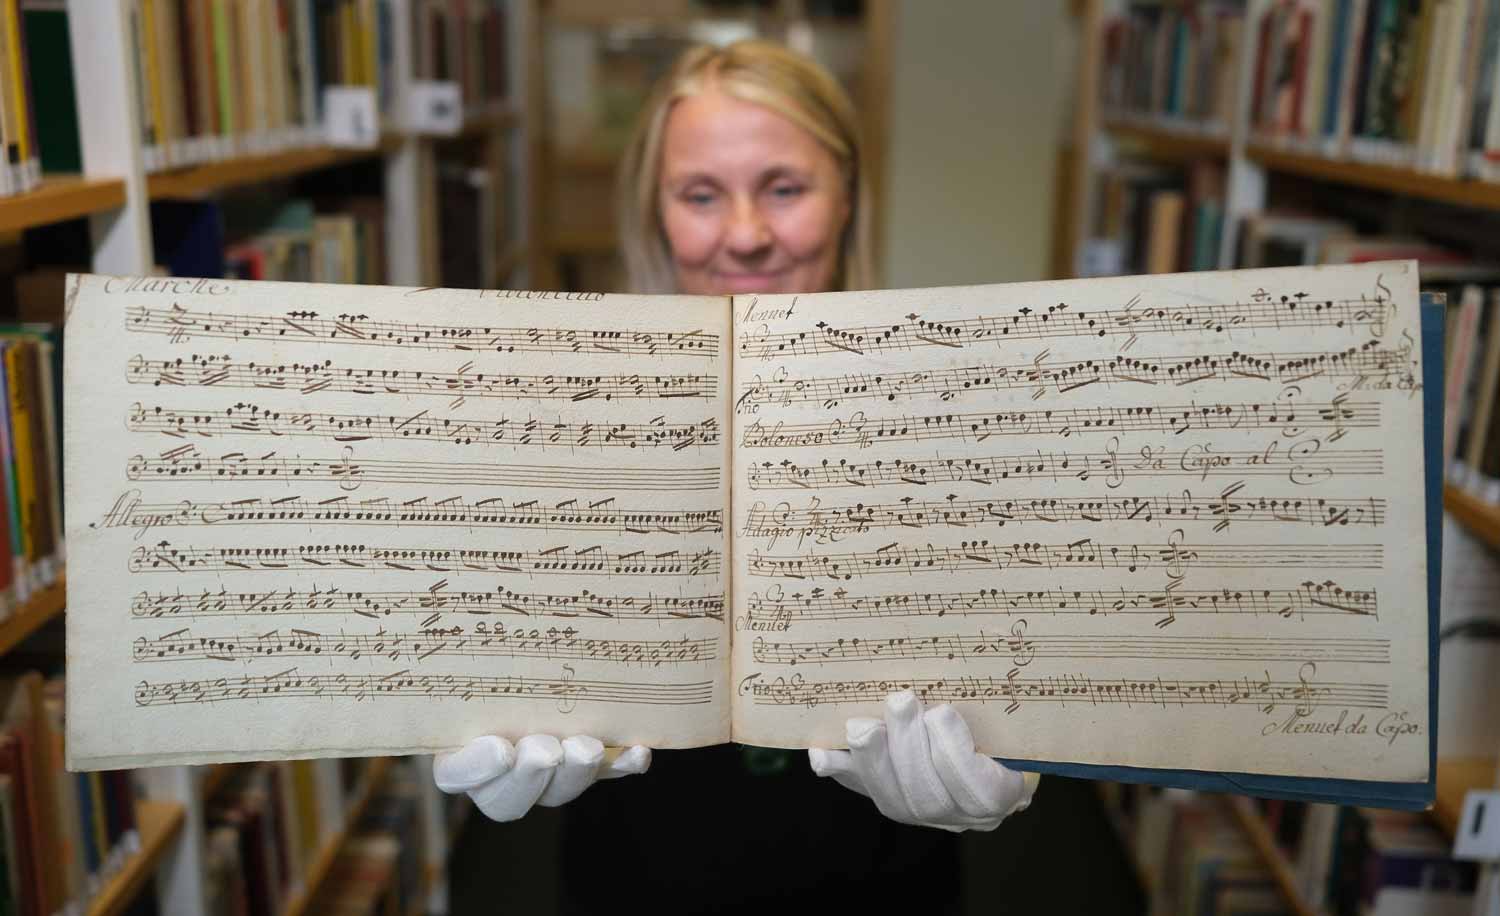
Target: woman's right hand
pixel 505 781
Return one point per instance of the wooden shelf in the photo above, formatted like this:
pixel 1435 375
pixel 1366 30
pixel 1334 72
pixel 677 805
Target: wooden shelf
pixel 1276 861
pixel 159 822
pixel 297 905
pixel 1166 143
pixel 499 119
pixel 1393 179
pixel 58 198
pixel 197 180
pixel 1480 517
pixel 1454 780
pixel 29 617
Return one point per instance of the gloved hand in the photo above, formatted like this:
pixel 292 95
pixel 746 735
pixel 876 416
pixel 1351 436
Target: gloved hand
pixel 505 781
pixel 921 768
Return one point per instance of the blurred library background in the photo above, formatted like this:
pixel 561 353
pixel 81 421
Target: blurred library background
pixel 473 143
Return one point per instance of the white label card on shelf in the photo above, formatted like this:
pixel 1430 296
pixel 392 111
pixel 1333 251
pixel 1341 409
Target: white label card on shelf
pixel 434 107
pixel 350 118
pixel 1478 833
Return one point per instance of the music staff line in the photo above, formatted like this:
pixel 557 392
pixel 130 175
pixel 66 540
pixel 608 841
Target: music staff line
pixel 567 691
pixel 305 379
pixel 561 560
pixel 1022 648
pixel 1083 554
pixel 180 324
pixel 1367 315
pixel 186 462
pixel 1265 694
pixel 1367 361
pixel 431 604
pixel 500 642
pixel 775 607
pixel 129 511
pixel 784 521
pixel 861 431
pixel 243 419
pixel 1151 461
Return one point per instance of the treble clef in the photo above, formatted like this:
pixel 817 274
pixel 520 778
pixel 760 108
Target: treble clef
pixel 567 700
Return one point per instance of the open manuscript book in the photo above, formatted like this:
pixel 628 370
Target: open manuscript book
pixel 1171 522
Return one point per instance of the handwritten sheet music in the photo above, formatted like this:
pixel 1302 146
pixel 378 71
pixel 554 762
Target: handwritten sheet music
pixel 1164 522
pixel 321 519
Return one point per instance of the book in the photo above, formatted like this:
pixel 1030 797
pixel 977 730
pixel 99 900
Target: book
pixel 1177 524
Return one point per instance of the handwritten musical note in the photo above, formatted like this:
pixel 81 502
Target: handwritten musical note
pixel 309 327
pixel 291 684
pixel 562 560
pixel 914 331
pixel 186 462
pixel 1367 362
pixel 480 641
pixel 817 603
pixel 222 371
pixel 431 604
pixel 242 419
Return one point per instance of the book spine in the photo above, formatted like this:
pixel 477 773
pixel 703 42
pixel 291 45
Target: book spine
pixel 20 431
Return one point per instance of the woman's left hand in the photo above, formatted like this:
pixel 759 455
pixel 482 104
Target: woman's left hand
pixel 921 768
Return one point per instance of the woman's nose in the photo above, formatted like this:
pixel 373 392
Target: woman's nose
pixel 749 233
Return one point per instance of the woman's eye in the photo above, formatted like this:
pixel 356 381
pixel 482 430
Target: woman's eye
pixel 699 198
pixel 787 191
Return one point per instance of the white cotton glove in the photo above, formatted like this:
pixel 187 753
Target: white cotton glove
pixel 921 768
pixel 505 781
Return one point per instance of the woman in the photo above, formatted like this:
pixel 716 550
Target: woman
pixel 744 176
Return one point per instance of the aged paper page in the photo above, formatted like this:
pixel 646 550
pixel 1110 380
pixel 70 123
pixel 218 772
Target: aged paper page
pixel 1165 522
pixel 312 520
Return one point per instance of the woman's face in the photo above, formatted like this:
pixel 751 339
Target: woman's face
pixel 751 202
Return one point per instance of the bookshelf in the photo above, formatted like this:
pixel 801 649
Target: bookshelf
pixel 32 615
pixel 1121 113
pixel 1167 142
pixel 1271 854
pixel 60 197
pixel 297 905
pixel 198 180
pixel 159 824
pixel 1406 182
pixel 113 194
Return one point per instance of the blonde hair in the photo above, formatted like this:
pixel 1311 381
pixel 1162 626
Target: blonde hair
pixel 766 74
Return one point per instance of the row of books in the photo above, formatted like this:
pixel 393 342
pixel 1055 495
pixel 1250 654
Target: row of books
pixel 21 168
pixel 268 824
pixel 216 79
pixel 1401 82
pixel 1191 858
pixel 1154 219
pixel 382 867
pixel 62 835
pixel 236 77
pixel 1177 64
pixel 463 41
pixel 1471 433
pixel 334 240
pixel 1406 83
pixel 31 527
pixel 1197 859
